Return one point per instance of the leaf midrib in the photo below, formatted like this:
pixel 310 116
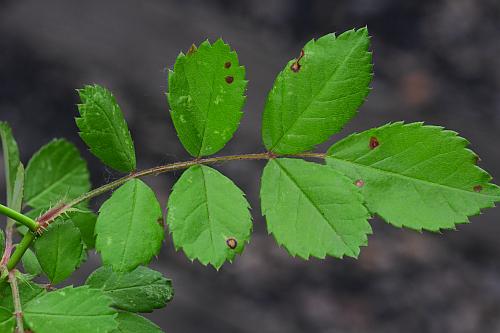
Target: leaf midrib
pixel 398 175
pixel 315 206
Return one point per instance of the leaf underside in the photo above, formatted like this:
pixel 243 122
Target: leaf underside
pixel 415 176
pixel 71 310
pixel 128 229
pixel 56 172
pixel 206 95
pixel 104 129
pixel 208 216
pixel 313 211
pixel 141 290
pixel 315 95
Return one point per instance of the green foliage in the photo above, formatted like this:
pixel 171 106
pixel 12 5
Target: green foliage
pixel 132 323
pixel 313 210
pixel 31 264
pixel 206 95
pixel 59 252
pixel 141 290
pixel 28 290
pixel 429 167
pixel 103 128
pixel 10 157
pixel 416 176
pixel 128 229
pixel 71 310
pixel 7 321
pixel 316 94
pixel 55 173
pixel 86 223
pixel 208 216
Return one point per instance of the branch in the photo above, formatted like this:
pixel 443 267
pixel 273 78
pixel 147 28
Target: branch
pixel 44 220
pixel 30 223
pixel 18 311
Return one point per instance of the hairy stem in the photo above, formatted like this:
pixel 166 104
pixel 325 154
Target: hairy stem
pixel 51 215
pixel 18 311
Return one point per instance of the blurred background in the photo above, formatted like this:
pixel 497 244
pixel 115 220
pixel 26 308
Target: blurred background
pixel 436 61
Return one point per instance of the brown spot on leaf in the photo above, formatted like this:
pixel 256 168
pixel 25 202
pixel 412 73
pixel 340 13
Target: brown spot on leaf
pixel 229 79
pixel 232 243
pixel 227 64
pixel 478 188
pixel 192 49
pixel 296 65
pixel 359 183
pixel 374 142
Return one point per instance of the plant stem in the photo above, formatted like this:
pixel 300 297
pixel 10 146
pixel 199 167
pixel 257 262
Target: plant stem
pixel 30 223
pixel 18 311
pixel 58 211
pixel 20 249
pixel 9 230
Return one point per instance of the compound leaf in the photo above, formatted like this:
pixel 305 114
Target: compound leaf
pixel 316 94
pixel 128 229
pixel 71 310
pixel 206 95
pixel 56 172
pixel 59 251
pixel 104 129
pixel 313 211
pixel 141 290
pixel 132 323
pixel 208 216
pixel 10 156
pixel 416 176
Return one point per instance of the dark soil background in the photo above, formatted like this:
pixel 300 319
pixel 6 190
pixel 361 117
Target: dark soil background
pixel 436 61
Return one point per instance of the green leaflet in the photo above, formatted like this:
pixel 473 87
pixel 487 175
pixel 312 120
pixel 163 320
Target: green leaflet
pixel 59 251
pixel 56 172
pixel 30 263
pixel 11 158
pixel 86 223
pixel 208 216
pixel 313 211
pixel 141 290
pixel 71 310
pixel 104 129
pixel 315 95
pixel 206 95
pixel 416 176
pixel 7 320
pixel 128 229
pixel 132 323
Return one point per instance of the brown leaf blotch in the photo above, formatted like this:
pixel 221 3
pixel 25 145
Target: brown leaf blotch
pixel 229 79
pixel 227 64
pixel 232 243
pixel 374 142
pixel 359 183
pixel 478 188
